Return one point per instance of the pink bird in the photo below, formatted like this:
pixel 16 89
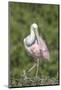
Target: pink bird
pixel 36 46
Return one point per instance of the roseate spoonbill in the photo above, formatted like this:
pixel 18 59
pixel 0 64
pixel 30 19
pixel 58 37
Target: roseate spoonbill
pixel 36 46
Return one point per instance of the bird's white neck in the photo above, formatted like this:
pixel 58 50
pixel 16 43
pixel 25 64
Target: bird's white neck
pixel 32 33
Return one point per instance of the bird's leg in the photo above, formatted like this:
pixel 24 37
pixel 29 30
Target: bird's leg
pixel 37 67
pixel 32 67
pixel 25 77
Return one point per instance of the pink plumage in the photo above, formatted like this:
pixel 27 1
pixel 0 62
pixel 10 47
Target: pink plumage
pixel 37 47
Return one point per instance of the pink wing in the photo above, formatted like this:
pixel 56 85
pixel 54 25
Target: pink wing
pixel 38 49
pixel 44 48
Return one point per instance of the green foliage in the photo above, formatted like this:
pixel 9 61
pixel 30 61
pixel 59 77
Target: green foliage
pixel 21 16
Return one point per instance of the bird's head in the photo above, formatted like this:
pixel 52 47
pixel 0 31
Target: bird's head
pixel 34 30
pixel 34 27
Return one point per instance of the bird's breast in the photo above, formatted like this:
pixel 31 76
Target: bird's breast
pixel 30 40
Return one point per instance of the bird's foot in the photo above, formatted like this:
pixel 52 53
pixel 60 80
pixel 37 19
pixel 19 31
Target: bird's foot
pixel 36 77
pixel 24 75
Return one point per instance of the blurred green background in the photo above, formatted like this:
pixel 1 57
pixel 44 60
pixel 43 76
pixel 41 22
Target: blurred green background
pixel 21 16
